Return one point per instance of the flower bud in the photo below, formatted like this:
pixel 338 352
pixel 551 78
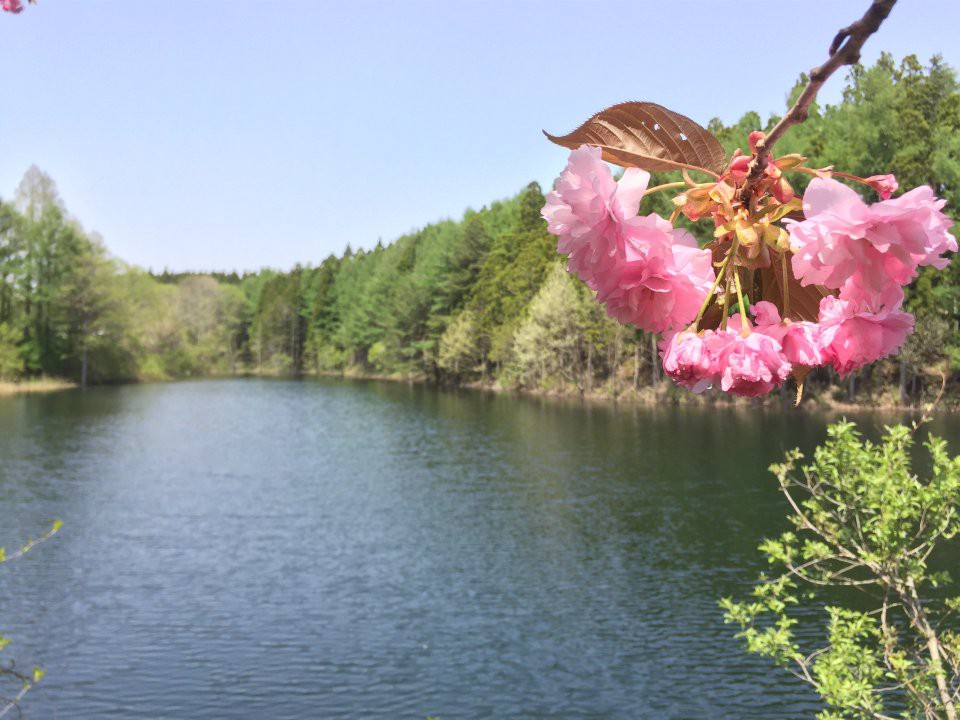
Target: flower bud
pixel 885 185
pixel 739 166
pixel 755 137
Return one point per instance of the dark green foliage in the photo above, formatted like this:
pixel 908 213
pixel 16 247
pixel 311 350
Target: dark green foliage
pixel 279 329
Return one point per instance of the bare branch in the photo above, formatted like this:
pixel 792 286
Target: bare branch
pixel 32 543
pixel 14 703
pixel 928 412
pixel 844 50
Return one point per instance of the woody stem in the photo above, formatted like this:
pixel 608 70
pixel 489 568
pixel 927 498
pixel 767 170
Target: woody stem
pixel 844 50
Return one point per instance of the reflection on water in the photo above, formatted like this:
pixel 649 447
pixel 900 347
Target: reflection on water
pixel 366 550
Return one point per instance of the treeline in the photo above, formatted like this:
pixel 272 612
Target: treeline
pixel 484 299
pixel 67 309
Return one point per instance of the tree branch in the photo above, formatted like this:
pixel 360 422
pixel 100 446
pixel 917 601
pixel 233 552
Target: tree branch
pixel 844 50
pixel 14 702
pixel 918 618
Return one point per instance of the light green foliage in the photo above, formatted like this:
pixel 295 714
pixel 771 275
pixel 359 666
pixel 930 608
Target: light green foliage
pixel 68 309
pixel 555 337
pixel 547 343
pixel 864 520
pixel 459 350
pixel 378 355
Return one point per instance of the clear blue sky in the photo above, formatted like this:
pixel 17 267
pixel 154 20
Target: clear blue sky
pixel 235 134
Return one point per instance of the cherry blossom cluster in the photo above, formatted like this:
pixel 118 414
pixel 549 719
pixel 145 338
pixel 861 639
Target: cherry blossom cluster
pixel 647 272
pixel 654 276
pixel 11 6
pixel 867 253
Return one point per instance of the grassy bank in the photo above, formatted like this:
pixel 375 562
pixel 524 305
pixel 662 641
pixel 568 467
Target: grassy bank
pixel 35 385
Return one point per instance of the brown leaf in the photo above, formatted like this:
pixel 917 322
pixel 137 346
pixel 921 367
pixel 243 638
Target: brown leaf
pixel 804 301
pixel 712 317
pixel 800 373
pixel 648 136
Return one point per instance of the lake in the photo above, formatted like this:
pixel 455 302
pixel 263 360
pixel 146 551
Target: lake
pixel 336 549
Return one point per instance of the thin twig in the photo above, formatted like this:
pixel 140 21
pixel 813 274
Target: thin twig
pixel 844 50
pixel 30 544
pixel 928 412
pixel 15 702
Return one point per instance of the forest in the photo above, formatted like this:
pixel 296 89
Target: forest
pixel 483 300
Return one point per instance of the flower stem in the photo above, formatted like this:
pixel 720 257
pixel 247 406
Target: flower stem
pixel 786 285
pixel 665 186
pixel 716 283
pixel 744 323
pixel 816 172
pixel 830 172
pixel 726 303
pixel 855 178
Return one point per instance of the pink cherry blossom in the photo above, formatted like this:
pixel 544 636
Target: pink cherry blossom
pixel 799 339
pixel 915 221
pixel 648 273
pixel 885 185
pixel 687 361
pixel 588 210
pixel 855 333
pixel 750 365
pixel 854 292
pixel 661 280
pixel 880 244
pixel 11 6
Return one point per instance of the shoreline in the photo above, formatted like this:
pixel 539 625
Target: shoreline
pixel 648 396
pixel 666 394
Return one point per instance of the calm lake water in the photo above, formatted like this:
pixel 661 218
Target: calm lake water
pixel 328 549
